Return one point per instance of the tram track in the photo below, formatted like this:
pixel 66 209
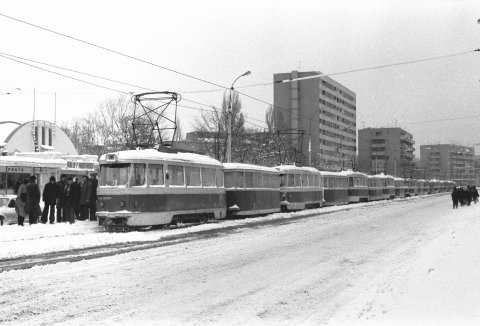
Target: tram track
pixel 95 252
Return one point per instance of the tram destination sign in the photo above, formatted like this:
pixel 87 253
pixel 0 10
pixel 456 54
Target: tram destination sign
pixel 78 165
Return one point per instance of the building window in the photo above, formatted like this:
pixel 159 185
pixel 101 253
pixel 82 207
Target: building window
pixel 43 135
pixel 50 137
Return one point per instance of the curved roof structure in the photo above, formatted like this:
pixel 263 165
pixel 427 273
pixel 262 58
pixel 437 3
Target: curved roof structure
pixel 34 136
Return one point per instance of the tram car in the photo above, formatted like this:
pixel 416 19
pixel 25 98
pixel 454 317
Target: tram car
pixel 411 187
pixel 335 188
pixel 300 187
pixel 422 187
pixel 357 186
pixel 375 187
pixel 388 186
pixel 399 187
pixel 434 186
pixel 147 187
pixel 251 190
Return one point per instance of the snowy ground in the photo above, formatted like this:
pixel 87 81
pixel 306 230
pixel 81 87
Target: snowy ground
pixel 412 262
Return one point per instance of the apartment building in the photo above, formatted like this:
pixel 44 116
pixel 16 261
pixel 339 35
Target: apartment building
pixel 386 150
pixel 449 161
pixel 320 115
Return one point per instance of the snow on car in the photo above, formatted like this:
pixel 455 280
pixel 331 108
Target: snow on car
pixel 7 210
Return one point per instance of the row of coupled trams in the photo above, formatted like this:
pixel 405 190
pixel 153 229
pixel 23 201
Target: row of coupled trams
pixel 148 188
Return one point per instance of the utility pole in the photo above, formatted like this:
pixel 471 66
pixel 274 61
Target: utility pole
pixel 229 119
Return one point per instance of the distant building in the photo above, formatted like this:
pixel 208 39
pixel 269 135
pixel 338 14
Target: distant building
pixel 386 150
pixel 448 161
pixel 34 136
pixel 324 111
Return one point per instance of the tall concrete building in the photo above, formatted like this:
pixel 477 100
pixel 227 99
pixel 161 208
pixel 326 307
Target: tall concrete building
pixel 386 150
pixel 448 161
pixel 324 111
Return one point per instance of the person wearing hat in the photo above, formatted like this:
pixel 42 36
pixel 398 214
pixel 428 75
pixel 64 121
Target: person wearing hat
pixel 50 195
pixel 72 197
pixel 32 206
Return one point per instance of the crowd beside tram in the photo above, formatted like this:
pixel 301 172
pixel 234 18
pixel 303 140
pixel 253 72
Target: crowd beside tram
pixel 66 200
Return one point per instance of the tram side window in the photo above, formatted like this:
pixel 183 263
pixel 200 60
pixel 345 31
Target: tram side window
pixel 177 176
pixel 114 174
pixel 234 179
pixel 291 180
pixel 350 182
pixel 298 180
pixel 304 180
pixel 138 176
pixel 325 182
pixel 275 181
pixel 257 179
pixel 155 174
pixel 208 177
pixel 219 178
pixel 283 180
pixel 248 179
pixel 311 180
pixel 193 176
pixel 266 180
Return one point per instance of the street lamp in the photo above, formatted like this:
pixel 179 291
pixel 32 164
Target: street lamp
pixel 229 119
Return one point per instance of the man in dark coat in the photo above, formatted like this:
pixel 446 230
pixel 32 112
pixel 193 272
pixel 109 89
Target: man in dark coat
pixel 72 197
pixel 93 199
pixel 85 196
pixel 50 195
pixel 33 201
pixel 455 194
pixel 60 199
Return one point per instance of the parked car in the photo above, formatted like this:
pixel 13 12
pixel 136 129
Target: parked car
pixel 7 210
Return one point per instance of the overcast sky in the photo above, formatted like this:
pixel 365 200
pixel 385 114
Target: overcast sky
pixel 218 40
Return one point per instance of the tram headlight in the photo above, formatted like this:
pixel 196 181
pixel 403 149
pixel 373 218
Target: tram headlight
pixel 122 203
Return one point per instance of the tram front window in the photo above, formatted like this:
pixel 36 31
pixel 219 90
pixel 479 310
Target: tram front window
pixel 114 175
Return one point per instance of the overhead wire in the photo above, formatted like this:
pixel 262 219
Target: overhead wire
pixel 215 84
pixel 18 59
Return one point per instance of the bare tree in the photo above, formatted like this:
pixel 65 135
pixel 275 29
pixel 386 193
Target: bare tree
pixel 212 126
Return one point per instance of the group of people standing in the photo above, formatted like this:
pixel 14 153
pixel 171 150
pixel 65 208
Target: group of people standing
pixel 70 198
pixel 464 196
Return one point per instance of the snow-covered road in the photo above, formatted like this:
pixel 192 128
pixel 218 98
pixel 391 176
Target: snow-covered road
pixel 366 264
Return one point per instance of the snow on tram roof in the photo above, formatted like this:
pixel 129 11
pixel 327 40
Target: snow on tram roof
pixel 243 166
pixel 294 168
pixel 333 173
pixel 154 155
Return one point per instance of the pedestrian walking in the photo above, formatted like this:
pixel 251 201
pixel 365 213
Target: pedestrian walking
pixel 33 201
pixel 21 202
pixel 50 195
pixel 455 199
pixel 85 196
pixel 72 197
pixel 475 195
pixel 93 198
pixel 60 199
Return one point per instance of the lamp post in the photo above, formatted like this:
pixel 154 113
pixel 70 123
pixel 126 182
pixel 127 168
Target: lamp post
pixel 229 119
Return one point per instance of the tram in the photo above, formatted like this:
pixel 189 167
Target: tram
pixel 335 188
pixel 357 186
pixel 140 188
pixel 375 187
pixel 300 187
pixel 399 187
pixel 251 190
pixel 388 184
